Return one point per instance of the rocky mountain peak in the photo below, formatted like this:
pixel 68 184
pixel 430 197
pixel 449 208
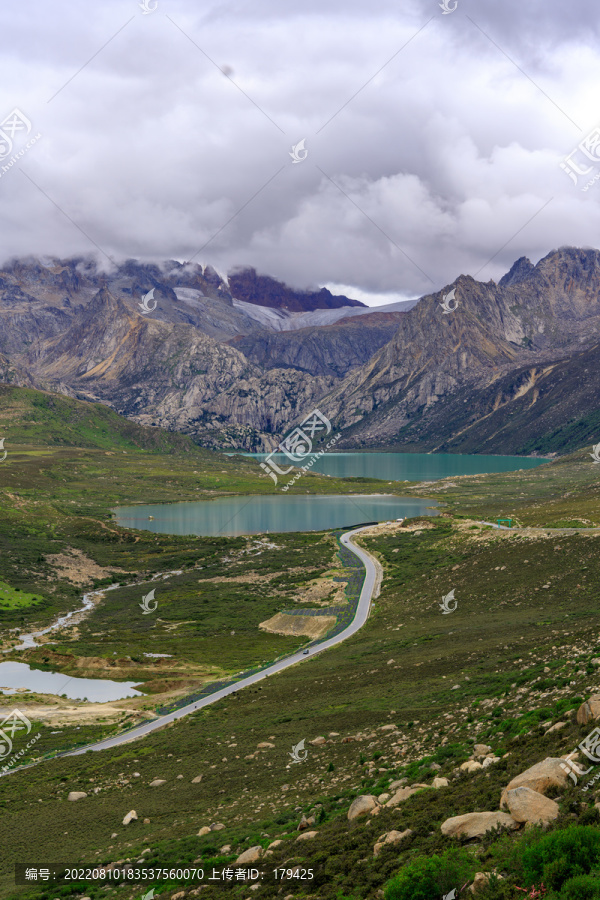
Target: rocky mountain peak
pixel 519 271
pixel 247 285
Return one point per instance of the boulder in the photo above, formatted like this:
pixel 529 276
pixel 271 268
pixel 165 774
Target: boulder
pixel 526 805
pixel 249 856
pixel 392 837
pixel 543 775
pixel 307 835
pixel 306 823
pixel 363 806
pixel 130 817
pixel 217 826
pixel 265 745
pixel 471 766
pixel 402 794
pixel 388 728
pixel 475 825
pixel 397 784
pixel 178 896
pixel 480 750
pixel 439 781
pixel 489 761
pixel 204 830
pixel 383 798
pixel 274 844
pixel 157 782
pixel 318 741
pixel 197 779
pixel 589 710
pixel 556 727
pixel 77 795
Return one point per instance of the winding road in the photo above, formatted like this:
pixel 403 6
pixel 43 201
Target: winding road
pixel 361 616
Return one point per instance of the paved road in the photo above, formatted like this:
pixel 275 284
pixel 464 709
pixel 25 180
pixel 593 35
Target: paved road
pixel 362 614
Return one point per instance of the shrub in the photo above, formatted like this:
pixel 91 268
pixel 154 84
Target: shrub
pixel 582 887
pixel 562 855
pixel 427 878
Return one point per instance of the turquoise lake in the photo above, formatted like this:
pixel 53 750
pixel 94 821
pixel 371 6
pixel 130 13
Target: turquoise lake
pixel 405 466
pixel 280 512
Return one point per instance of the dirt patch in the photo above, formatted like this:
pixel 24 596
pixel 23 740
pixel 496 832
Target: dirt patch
pixel 311 626
pixel 76 567
pixel 323 591
pixel 69 715
pixel 253 577
pixel 240 579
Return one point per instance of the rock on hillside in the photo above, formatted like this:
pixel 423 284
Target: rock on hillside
pixel 526 805
pixel 475 825
pixel 365 805
pixel 543 775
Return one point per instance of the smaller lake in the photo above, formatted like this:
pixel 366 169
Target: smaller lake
pixel 14 675
pixel 233 516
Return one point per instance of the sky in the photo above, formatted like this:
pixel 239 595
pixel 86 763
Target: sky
pixel 430 140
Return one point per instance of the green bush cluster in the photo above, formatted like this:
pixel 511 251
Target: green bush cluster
pixel 566 862
pixel 427 878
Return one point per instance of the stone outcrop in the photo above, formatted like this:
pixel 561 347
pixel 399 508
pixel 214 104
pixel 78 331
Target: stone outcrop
pixel 391 837
pixel 365 805
pixel 543 775
pixel 252 855
pixel 404 793
pixel 589 711
pixel 475 825
pixel 529 806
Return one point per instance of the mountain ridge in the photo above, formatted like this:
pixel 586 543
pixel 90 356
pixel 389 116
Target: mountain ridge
pixel 196 363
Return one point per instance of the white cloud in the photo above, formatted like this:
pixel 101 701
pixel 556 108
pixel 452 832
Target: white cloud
pixel 448 151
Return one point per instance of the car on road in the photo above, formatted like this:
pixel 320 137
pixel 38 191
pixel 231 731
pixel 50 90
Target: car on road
pixel 305 653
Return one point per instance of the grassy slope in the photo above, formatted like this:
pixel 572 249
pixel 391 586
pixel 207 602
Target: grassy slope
pixel 69 462
pixel 57 486
pixel 508 628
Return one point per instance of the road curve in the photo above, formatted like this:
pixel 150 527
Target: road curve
pixel 361 616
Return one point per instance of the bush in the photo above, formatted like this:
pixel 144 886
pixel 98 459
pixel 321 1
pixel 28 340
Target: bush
pixel 582 887
pixel 427 878
pixel 562 855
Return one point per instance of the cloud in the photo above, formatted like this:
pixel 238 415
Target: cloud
pixel 433 141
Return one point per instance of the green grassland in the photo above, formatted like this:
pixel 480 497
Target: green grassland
pixel 506 631
pixel 60 481
pixel 13 598
pixel 515 657
pixel 206 621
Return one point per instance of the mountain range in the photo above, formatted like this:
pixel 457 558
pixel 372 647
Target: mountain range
pixel 236 360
